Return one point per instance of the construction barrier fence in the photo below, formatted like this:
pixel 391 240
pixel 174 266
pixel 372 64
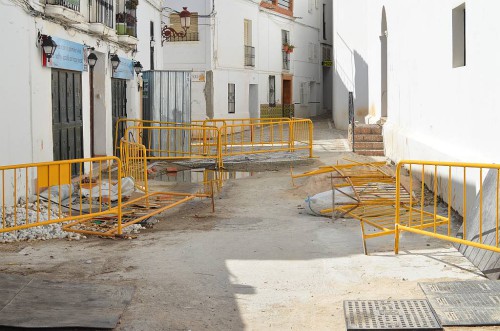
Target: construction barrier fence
pixel 216 139
pixel 471 189
pixel 38 194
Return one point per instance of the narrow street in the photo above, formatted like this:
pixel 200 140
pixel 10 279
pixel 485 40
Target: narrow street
pixel 259 262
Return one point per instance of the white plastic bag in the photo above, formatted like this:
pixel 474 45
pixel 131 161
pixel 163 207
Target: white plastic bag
pixel 106 190
pixel 313 205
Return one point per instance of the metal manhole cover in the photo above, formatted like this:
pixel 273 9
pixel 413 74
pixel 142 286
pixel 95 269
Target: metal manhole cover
pixel 390 315
pixel 461 287
pixel 465 303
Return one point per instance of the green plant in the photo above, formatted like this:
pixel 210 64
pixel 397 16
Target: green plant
pixel 125 18
pixel 131 4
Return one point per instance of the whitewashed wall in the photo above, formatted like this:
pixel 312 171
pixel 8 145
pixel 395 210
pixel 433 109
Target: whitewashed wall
pixel 221 49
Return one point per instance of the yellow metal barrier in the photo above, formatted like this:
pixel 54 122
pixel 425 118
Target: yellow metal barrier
pixel 239 121
pixel 123 124
pixel 180 142
pixel 453 182
pixel 37 194
pixel 267 136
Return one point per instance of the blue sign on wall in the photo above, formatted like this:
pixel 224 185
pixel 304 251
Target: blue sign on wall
pixel 68 55
pixel 125 70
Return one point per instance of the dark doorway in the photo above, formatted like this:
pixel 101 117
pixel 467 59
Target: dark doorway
pixel 67 124
pixel 119 108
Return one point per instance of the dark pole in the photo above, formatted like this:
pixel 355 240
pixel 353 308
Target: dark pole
pixel 92 111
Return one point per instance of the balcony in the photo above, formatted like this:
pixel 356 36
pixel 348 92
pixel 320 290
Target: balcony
pixel 249 56
pixel 178 37
pixel 64 10
pixel 101 11
pixel 126 26
pixel 284 7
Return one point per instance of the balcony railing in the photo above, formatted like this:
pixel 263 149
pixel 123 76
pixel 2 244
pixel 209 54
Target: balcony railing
pixel 250 56
pixel 287 4
pixel 101 11
pixel 286 60
pixel 71 4
pixel 190 36
pixel 126 23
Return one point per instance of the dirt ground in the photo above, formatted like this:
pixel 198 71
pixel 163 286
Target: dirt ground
pixel 257 263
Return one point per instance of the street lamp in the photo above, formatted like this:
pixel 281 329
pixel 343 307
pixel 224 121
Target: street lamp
pixel 92 60
pixel 115 61
pixel 138 70
pixel 48 45
pixel 168 32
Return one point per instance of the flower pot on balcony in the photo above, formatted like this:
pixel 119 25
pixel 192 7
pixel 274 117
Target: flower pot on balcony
pixel 121 28
pixel 131 30
pixel 285 48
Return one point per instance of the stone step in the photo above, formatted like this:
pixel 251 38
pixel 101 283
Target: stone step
pixel 369 137
pixel 367 129
pixel 368 145
pixel 370 152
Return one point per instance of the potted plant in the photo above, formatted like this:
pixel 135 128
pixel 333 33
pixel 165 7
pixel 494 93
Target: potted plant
pixel 125 24
pixel 131 4
pixel 290 49
pixel 121 27
pixel 285 47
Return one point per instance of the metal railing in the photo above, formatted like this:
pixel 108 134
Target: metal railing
pixel 286 60
pixel 38 194
pixel 287 4
pixel 266 137
pixel 453 185
pixel 71 4
pixel 215 139
pixel 189 36
pixel 178 142
pixel 249 56
pixel 101 11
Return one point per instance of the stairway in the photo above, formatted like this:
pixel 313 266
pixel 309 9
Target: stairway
pixel 368 139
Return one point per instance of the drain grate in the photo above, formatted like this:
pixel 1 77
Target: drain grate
pixel 390 314
pixel 466 303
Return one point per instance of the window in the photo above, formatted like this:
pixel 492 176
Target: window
pixel 324 22
pixel 231 97
pixel 304 93
pixel 249 50
pixel 248 33
pixel 152 45
pixel 272 91
pixel 191 33
pixel 285 39
pixel 459 41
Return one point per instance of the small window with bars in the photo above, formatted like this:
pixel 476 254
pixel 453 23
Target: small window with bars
pixel 231 98
pixel 272 91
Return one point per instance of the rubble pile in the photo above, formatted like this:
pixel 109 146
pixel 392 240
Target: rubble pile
pixel 45 232
pixel 51 231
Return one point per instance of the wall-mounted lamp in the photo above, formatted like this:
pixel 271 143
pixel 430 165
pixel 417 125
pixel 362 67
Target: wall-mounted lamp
pixel 115 61
pixel 138 70
pixel 152 43
pixel 48 45
pixel 92 60
pixel 168 32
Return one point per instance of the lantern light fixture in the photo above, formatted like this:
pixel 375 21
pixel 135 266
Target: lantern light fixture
pixel 49 46
pixel 137 67
pixel 92 60
pixel 115 61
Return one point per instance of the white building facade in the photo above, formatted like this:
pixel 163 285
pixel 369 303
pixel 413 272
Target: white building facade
pixel 235 49
pixel 60 108
pixel 428 68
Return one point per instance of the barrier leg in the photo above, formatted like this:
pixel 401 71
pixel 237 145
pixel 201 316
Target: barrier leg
pixel 396 239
